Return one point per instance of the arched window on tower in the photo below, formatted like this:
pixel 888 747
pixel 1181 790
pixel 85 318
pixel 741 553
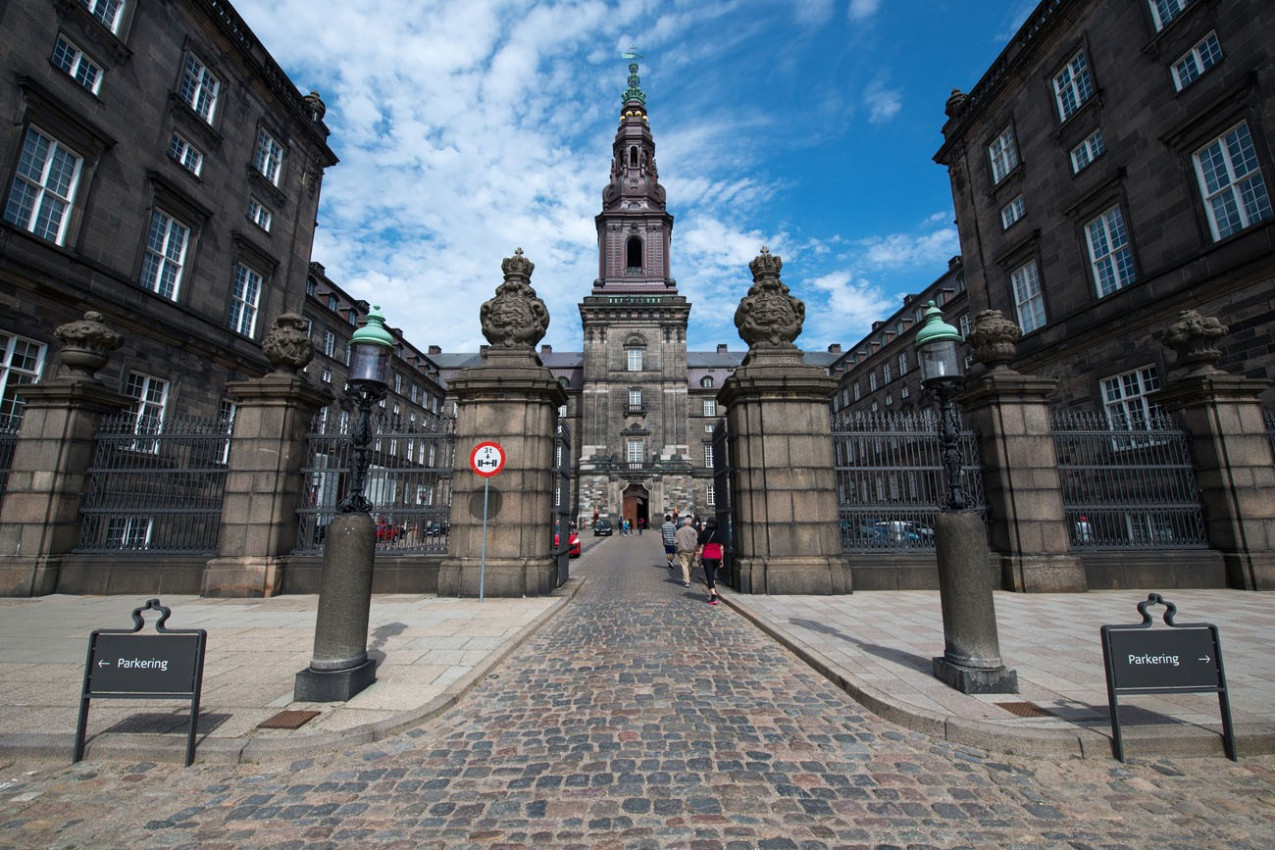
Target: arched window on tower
pixel 634 252
pixel 633 157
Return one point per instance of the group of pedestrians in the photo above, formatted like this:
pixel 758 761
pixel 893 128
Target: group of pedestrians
pixel 691 542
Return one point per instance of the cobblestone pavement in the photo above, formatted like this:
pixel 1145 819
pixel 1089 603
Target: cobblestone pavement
pixel 643 717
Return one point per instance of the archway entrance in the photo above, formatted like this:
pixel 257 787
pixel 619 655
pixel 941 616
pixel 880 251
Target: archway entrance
pixel 636 506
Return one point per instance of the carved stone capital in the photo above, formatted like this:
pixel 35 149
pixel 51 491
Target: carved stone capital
pixel 286 344
pixel 1193 338
pixel 768 316
pixel 87 345
pixel 515 317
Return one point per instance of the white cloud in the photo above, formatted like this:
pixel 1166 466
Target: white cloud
pixel 861 10
pixel 883 103
pixel 932 249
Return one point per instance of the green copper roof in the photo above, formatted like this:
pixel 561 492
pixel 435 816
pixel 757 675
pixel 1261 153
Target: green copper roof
pixel 633 93
pixel 935 328
pixel 374 331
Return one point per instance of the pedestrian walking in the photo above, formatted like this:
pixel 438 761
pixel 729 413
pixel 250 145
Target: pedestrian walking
pixel 711 556
pixel 641 524
pixel 668 531
pixel 687 541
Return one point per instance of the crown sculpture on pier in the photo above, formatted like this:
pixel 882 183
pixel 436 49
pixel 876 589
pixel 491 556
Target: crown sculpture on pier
pixel 515 318
pixel 768 317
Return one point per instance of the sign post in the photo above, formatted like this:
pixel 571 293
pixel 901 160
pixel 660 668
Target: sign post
pixel 487 459
pixel 1185 658
pixel 126 664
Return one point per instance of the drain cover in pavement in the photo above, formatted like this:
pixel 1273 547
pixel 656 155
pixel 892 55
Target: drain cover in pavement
pixel 288 720
pixel 1024 709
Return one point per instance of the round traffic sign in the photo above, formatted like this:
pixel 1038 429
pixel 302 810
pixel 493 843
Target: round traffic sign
pixel 487 459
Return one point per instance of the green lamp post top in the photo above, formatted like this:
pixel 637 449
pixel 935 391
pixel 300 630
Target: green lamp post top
pixel 374 332
pixel 935 329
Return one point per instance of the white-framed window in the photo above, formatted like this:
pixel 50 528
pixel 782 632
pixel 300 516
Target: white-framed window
pixel 190 157
pixel 151 395
pixel 1110 256
pixel 1231 182
pixel 1003 153
pixel 1124 398
pixel 1164 11
pixel 21 362
pixel 1087 151
pixel 889 399
pixel 329 342
pixel 858 391
pixel 708 456
pixel 105 12
pixel 79 67
pixel 635 399
pixel 1190 65
pixel 706 382
pixel 244 300
pixel 710 496
pixel 903 363
pixel 708 429
pixel 43 188
pixel 268 157
pixel 226 413
pixel 1029 300
pixel 199 88
pixel 635 359
pixel 333 303
pixel 710 407
pixel 131 532
pixel 885 373
pixel 964 324
pixel 326 375
pixel 872 381
pixel 412 392
pixel 259 214
pixel 398 387
pixel 1012 212
pixel 1073 86
pixel 904 392
pixel 635 451
pixel 165 255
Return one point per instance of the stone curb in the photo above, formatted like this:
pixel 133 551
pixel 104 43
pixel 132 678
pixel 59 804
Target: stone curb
pixel 248 749
pixel 1177 740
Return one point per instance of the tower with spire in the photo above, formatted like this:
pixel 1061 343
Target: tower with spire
pixel 634 445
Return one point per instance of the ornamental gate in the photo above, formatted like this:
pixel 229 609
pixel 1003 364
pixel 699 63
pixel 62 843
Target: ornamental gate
pixel 562 511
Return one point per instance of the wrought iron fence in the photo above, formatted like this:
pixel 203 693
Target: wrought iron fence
pixel 562 510
pixel 1127 484
pixel 1269 416
pixel 159 491
pixel 891 479
pixel 409 483
pixel 9 426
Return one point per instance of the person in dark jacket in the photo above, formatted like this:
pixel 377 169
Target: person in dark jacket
pixel 710 546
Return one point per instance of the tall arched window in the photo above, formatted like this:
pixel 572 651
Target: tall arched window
pixel 634 253
pixel 633 157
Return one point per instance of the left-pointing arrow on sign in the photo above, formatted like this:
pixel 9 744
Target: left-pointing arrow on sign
pixel 103 663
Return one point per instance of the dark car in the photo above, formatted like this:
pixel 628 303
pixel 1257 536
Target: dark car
pixel 603 528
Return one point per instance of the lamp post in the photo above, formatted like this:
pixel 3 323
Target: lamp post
pixel 971 661
pixel 339 667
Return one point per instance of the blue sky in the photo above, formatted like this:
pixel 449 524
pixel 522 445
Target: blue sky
pixel 469 128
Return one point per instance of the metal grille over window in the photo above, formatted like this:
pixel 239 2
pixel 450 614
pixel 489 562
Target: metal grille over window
pixel 1127 483
pixel 410 486
pixel 891 479
pixel 160 494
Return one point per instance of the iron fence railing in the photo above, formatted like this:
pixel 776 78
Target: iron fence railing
pixel 1127 485
pixel 409 483
pixel 9 426
pixel 159 491
pixel 1269 416
pixel 562 510
pixel 891 479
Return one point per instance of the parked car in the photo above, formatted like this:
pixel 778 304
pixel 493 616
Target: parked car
pixel 573 545
pixel 435 529
pixel 388 532
pixel 603 528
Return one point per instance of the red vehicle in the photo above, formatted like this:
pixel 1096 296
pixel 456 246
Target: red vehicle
pixel 573 545
pixel 387 533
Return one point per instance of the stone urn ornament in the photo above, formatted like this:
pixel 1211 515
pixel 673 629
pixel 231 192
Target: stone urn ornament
pixel 994 340
pixel 515 318
pixel 768 317
pixel 1193 337
pixel 86 345
pixel 287 346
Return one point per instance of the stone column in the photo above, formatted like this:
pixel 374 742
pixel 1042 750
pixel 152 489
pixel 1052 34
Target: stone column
pixel 783 483
pixel 1027 525
pixel 511 399
pixel 49 473
pixel 264 484
pixel 1231 450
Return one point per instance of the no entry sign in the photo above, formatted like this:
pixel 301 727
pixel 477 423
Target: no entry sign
pixel 487 459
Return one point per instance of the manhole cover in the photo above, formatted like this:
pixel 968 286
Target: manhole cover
pixel 1024 709
pixel 288 720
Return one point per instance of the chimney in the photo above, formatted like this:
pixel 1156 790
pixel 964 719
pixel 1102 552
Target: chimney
pixel 835 348
pixel 546 349
pixel 434 349
pixel 722 348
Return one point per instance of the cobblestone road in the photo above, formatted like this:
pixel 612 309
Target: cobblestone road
pixel 642 717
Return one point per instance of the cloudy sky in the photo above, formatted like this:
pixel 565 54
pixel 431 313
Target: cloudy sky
pixel 469 128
